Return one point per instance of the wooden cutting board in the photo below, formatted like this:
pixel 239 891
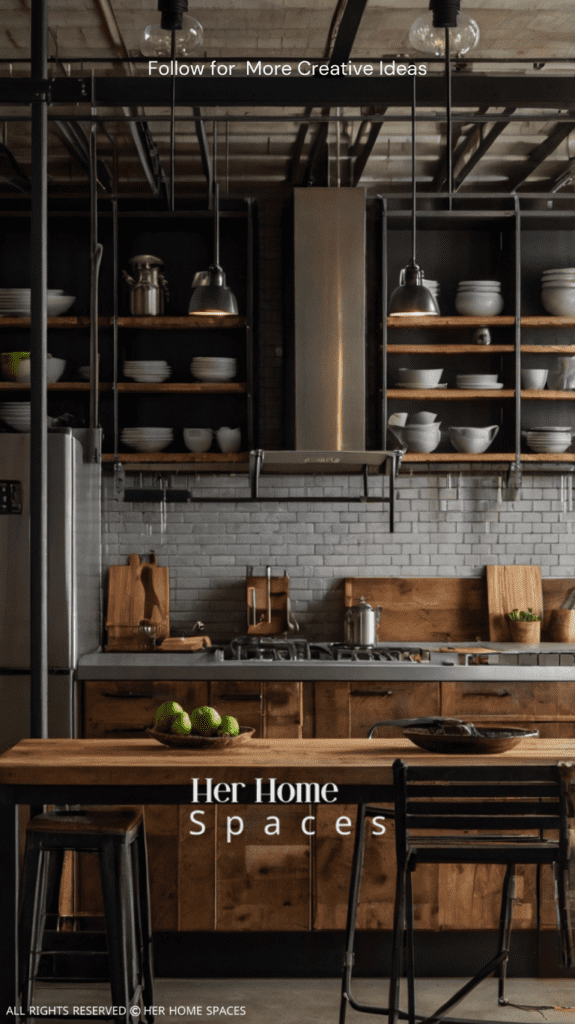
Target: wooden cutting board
pixel 139 591
pixel 509 587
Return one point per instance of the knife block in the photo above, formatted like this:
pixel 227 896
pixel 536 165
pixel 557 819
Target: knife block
pixel 279 592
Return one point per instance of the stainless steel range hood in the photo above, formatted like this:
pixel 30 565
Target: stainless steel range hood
pixel 328 409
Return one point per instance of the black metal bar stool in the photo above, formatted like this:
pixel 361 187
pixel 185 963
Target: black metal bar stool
pixel 455 800
pixel 364 811
pixel 117 835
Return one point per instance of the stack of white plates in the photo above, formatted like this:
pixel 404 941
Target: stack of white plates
pixel 17 415
pixel 213 368
pixel 558 291
pixel 549 439
pixel 147 439
pixel 16 301
pixel 147 371
pixel 478 381
pixel 479 298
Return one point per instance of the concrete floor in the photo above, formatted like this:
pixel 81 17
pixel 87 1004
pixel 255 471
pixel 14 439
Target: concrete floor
pixel 295 1001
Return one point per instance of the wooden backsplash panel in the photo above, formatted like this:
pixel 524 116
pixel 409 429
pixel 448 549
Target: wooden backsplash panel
pixel 424 608
pixel 438 608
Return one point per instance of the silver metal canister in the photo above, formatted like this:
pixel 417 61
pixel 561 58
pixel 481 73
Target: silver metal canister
pixel 148 286
pixel 360 624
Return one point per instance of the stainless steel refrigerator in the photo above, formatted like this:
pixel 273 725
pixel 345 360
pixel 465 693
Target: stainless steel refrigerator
pixel 74 576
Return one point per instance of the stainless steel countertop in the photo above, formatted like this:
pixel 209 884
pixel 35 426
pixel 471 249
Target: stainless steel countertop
pixel 558 664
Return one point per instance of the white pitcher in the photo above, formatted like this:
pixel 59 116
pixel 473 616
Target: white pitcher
pixel 229 439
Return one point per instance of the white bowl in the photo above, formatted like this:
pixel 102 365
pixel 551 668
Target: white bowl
pixel 558 301
pixel 198 439
pixel 420 417
pixel 229 439
pixel 429 377
pixel 475 283
pixel 472 440
pixel 59 304
pixel 479 303
pixel 534 380
pixel 477 378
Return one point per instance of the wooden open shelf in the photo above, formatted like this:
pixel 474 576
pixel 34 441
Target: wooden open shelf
pixel 204 457
pixel 451 350
pixel 546 396
pixel 452 321
pixel 229 387
pixel 455 394
pixel 568 350
pixel 486 457
pixel 179 323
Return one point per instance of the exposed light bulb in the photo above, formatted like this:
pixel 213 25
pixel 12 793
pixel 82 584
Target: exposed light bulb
pixel 157 41
pixel 427 39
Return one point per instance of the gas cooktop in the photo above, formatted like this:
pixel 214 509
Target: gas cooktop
pixel 262 648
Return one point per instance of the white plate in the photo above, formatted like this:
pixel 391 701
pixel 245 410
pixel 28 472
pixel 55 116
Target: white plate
pixel 420 387
pixel 480 387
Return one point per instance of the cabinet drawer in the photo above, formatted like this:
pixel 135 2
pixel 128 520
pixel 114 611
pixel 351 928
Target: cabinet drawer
pixel 371 702
pixel 463 700
pixel 124 709
pixel 244 701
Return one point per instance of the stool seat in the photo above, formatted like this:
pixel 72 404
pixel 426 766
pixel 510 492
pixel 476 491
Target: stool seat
pixel 109 821
pixel 117 835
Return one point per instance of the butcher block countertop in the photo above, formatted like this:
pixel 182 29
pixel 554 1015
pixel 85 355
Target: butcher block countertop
pixel 141 762
pixel 517 662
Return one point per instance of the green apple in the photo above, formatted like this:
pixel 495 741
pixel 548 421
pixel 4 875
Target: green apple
pixel 205 720
pixel 181 724
pixel 164 715
pixel 229 726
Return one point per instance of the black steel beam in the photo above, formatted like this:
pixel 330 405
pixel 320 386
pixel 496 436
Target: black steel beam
pixel 459 147
pixel 366 150
pixel 550 92
pixel 204 148
pixel 482 148
pixel 77 143
pixel 38 387
pixel 539 154
pixel 342 47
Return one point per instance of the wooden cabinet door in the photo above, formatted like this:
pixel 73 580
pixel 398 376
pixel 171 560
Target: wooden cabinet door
pixel 125 709
pixel 529 699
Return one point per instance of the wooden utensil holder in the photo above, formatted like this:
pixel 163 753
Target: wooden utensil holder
pixel 525 632
pixel 562 625
pixel 279 591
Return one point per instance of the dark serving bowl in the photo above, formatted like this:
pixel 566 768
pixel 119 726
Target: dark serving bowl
pixel 485 741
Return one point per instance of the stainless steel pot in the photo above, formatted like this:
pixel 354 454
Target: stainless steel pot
pixel 148 287
pixel 360 624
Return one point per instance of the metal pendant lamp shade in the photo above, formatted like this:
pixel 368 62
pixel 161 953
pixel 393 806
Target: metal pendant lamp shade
pixel 212 297
pixel 411 298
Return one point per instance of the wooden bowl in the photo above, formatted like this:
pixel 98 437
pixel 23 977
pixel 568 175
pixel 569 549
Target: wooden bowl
pixel 562 625
pixel 197 742
pixel 490 741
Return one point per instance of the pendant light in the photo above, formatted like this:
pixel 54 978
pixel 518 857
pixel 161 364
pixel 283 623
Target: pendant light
pixel 426 37
pixel 412 298
pixel 177 35
pixel 213 297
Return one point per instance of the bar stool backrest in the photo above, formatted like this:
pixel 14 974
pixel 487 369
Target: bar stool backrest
pixel 480 798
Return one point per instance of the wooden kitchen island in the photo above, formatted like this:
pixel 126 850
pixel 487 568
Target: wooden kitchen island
pixel 143 771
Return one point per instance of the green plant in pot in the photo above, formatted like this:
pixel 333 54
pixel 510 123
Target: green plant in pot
pixel 524 626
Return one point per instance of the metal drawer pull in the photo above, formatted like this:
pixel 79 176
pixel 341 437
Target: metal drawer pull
pixel 240 696
pixel 372 693
pixel 490 693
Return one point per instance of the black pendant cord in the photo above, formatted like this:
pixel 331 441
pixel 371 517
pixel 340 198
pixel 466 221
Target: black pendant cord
pixel 448 105
pixel 173 128
pixel 38 388
pixel 216 193
pixel 413 177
